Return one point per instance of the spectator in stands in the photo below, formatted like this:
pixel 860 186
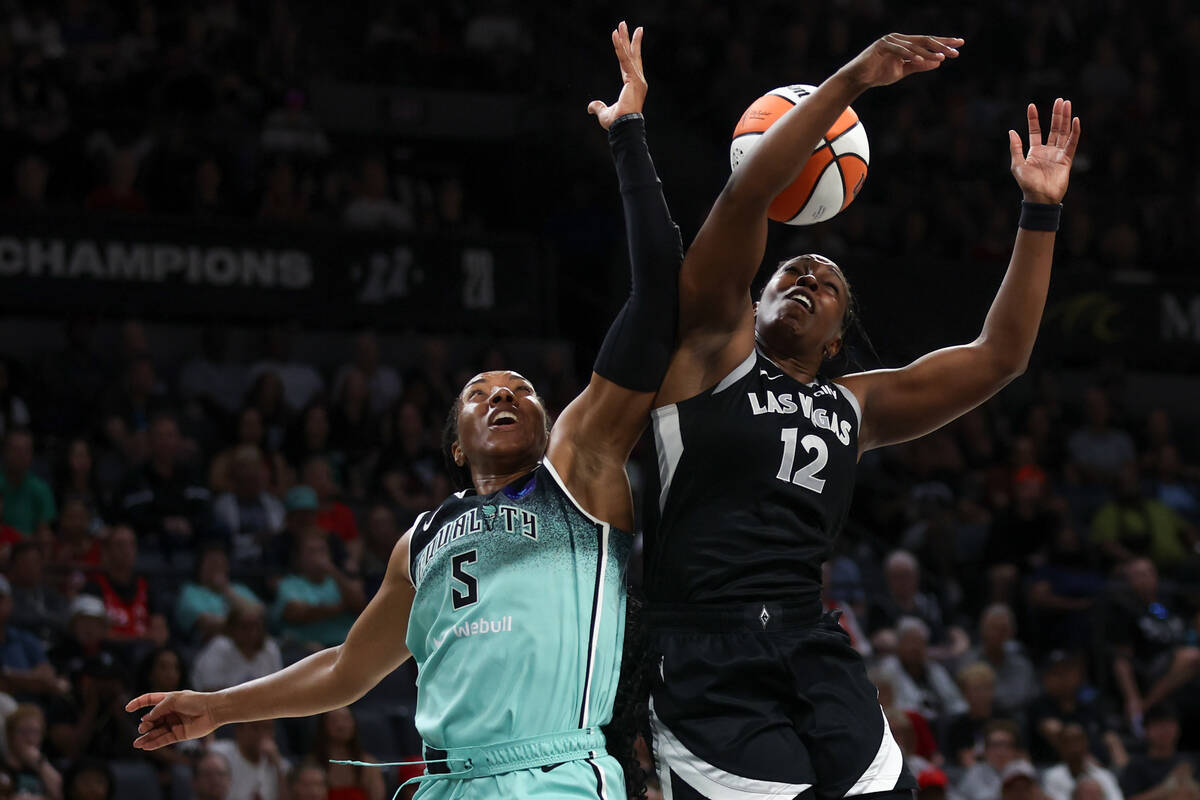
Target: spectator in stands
pixel 965 734
pixel 1097 451
pixel 138 397
pixel 1019 531
pixel 89 779
pixel 204 604
pixel 28 501
pixel 26 672
pixel 372 206
pixel 292 130
pixel 13 411
pixel 1062 702
pixel 309 438
pixel 249 431
pixel 9 535
pixel 316 604
pixel 1151 660
pixel 92 720
pixel 408 466
pixel 163 670
pixel 286 199
pixel 76 548
pixel 1077 764
pixel 119 192
pixel 337 739
pixel 301 505
pixel 920 683
pixel 353 431
pixel 904 598
pixel 162 499
pixel 211 379
pixel 380 540
pixel 248 514
pixel 212 778
pixel 76 477
pixel 243 652
pixel 25 732
pixel 333 515
pixel 924 744
pixel 1162 772
pixel 37 605
pixel 133 611
pixel 998 647
pixel 902 729
pixel 308 782
pixel 1132 525
pixel 846 616
pixel 266 396
pixel 1062 592
pixel 1001 747
pixel 257 768
pixel 87 628
pixel 301 382
pixel 1019 781
pixel 383 382
pixel 1174 484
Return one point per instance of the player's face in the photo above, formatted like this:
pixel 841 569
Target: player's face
pixel 805 302
pixel 500 419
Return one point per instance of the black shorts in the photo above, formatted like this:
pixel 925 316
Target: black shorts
pixel 766 701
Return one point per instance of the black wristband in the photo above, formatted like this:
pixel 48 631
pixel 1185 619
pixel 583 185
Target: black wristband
pixel 625 118
pixel 1039 216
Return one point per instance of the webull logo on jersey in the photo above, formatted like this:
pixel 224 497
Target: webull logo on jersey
pixel 508 519
pixel 476 628
pixel 784 403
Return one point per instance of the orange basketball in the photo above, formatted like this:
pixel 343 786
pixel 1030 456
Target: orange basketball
pixel 834 173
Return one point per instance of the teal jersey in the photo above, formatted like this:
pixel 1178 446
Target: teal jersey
pixel 519 614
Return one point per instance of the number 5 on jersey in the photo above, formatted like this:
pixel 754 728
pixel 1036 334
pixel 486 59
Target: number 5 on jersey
pixel 806 476
pixel 459 574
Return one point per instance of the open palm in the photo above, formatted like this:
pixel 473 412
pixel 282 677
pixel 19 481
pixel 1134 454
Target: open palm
pixel 1044 172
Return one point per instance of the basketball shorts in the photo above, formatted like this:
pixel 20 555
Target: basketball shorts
pixel 766 701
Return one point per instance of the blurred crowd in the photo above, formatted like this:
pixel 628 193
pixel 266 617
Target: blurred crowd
pixel 203 110
pixel 1022 583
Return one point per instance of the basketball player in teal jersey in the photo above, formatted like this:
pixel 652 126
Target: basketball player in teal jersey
pixel 510 596
pixel 756 692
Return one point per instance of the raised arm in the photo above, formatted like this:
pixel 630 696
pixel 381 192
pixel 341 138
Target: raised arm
pixel 333 678
pixel 593 436
pixel 902 404
pixel 716 313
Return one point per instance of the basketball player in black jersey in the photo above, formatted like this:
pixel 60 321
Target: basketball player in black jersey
pixel 755 693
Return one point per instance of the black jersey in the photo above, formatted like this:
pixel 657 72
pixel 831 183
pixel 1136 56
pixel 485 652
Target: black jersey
pixel 754 481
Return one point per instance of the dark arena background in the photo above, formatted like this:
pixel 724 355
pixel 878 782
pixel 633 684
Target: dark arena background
pixel 250 251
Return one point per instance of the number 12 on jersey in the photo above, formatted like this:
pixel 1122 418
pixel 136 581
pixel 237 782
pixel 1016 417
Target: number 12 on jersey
pixel 806 476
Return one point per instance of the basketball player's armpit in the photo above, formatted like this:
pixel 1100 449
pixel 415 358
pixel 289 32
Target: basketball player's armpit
pixel 637 349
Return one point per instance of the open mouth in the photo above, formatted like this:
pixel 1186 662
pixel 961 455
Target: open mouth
pixel 804 300
pixel 503 419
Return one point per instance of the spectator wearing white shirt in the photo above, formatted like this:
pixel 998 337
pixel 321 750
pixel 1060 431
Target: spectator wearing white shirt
pixel 1077 765
pixel 242 653
pixel 921 684
pixel 258 770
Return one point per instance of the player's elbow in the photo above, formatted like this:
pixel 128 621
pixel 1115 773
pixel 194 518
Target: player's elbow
pixel 1003 363
pixel 347 678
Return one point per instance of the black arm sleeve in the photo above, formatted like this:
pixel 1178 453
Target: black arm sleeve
pixel 637 350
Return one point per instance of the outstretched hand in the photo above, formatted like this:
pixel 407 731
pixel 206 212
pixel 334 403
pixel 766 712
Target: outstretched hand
pixel 633 92
pixel 176 717
pixel 1043 173
pixel 898 55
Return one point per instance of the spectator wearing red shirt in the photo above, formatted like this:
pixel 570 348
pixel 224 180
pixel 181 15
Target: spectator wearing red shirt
pixel 132 612
pixel 333 515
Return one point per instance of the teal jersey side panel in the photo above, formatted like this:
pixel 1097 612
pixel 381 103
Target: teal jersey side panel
pixel 519 615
